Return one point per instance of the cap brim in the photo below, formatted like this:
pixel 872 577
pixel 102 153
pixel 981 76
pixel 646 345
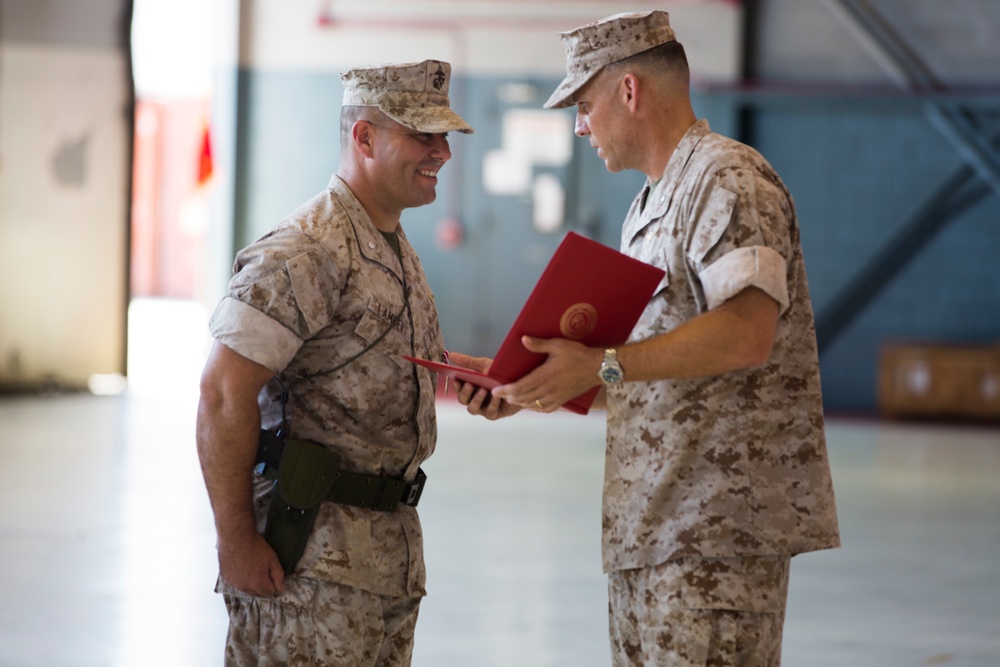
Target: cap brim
pixel 560 98
pixel 434 120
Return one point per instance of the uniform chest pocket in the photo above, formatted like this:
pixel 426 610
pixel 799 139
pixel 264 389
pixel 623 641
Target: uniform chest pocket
pixel 712 223
pixel 652 247
pixel 382 327
pixel 664 281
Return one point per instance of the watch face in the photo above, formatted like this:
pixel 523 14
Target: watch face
pixel 611 374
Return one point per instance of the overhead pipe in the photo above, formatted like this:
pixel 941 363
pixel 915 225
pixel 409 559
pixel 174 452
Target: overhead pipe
pixel 514 15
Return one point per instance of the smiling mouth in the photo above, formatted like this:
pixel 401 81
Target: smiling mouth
pixel 428 173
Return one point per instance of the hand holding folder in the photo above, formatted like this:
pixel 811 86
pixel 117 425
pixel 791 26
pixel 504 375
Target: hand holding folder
pixel 588 293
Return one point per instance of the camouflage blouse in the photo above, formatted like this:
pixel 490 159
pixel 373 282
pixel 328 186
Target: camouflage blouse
pixel 735 464
pixel 309 295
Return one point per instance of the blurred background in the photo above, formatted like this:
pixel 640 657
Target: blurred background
pixel 143 142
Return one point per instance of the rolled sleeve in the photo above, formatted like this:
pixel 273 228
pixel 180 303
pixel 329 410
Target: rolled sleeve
pixel 249 332
pixel 753 266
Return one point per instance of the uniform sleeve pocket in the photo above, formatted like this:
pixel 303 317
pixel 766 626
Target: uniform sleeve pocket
pixel 313 302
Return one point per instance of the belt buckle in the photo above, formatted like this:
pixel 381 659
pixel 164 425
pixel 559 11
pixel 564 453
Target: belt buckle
pixel 414 489
pixel 412 494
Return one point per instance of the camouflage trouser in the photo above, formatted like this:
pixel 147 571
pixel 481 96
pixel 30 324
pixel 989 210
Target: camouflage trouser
pixel 707 612
pixel 316 623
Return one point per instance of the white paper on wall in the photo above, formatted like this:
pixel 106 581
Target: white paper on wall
pixel 505 173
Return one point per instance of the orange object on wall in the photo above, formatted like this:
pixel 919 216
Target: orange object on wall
pixel 937 380
pixel 205 166
pixel 172 164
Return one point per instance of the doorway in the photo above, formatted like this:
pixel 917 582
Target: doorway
pixel 173 170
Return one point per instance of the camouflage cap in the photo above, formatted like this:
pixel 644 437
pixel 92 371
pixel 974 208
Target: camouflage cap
pixel 595 45
pixel 412 94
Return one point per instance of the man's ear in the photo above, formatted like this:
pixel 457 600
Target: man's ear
pixel 361 133
pixel 630 91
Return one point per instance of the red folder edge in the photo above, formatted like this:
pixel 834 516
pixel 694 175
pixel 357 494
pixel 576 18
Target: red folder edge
pixel 581 271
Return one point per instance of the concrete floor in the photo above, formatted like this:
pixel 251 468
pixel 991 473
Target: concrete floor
pixel 107 546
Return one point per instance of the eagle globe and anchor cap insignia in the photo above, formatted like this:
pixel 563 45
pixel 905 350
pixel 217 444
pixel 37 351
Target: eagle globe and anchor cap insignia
pixel 439 78
pixel 578 320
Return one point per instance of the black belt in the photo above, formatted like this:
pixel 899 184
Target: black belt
pixel 349 488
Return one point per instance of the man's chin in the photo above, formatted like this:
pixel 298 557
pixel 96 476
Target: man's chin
pixel 428 197
pixel 608 164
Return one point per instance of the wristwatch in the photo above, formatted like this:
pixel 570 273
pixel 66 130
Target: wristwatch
pixel 611 371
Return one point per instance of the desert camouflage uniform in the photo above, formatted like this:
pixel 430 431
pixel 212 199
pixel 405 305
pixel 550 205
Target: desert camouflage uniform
pixel 317 622
pixel 735 465
pixel 304 298
pixel 724 612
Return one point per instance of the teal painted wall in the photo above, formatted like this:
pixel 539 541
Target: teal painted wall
pixel 289 147
pixel 857 170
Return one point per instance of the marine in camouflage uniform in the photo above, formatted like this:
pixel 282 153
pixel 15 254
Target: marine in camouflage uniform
pixel 728 466
pixel 716 470
pixel 324 286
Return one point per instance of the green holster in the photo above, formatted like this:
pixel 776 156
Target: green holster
pixel 305 477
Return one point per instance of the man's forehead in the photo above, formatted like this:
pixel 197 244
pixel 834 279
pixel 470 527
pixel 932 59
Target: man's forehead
pixel 586 92
pixel 398 128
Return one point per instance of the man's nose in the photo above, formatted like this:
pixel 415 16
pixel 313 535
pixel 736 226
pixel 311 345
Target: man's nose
pixel 581 129
pixel 440 148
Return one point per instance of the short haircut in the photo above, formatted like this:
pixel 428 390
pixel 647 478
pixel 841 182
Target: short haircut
pixel 350 114
pixel 668 59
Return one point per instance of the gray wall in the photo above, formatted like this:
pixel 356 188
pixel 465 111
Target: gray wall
pixel 65 139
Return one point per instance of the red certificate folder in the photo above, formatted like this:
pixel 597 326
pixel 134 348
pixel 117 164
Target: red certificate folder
pixel 588 292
